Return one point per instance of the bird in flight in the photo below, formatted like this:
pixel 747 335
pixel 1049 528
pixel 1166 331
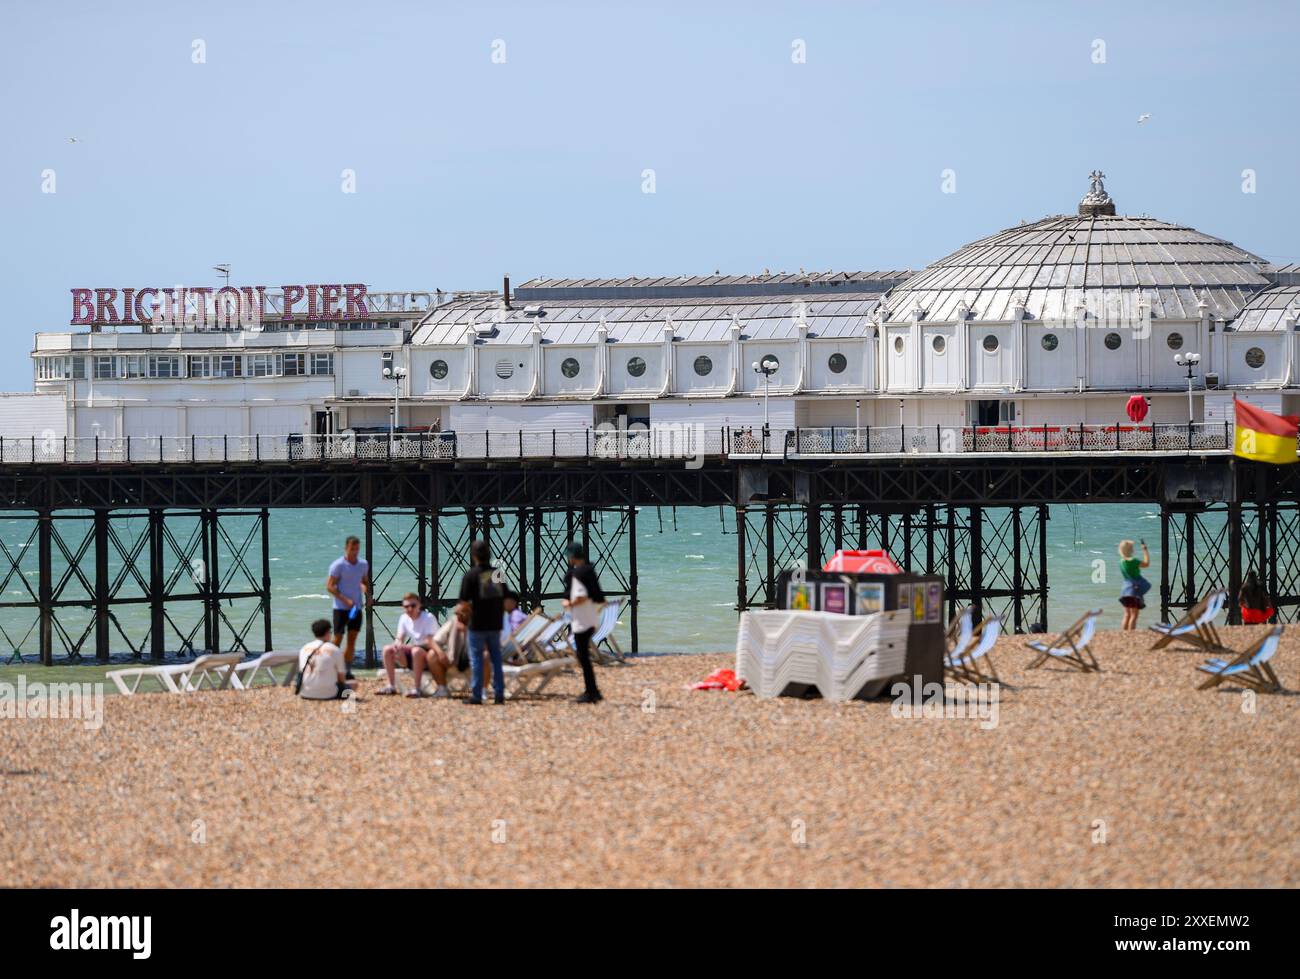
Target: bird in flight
pixel 1144 117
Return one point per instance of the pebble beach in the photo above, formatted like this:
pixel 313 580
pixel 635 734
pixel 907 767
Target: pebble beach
pixel 1127 778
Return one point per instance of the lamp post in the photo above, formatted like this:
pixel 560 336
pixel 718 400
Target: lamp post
pixel 396 375
pixel 1189 360
pixel 767 366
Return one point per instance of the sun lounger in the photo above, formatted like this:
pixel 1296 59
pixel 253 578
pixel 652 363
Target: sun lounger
pixel 961 629
pixel 1071 646
pixel 1249 668
pixel 213 670
pixel 971 663
pixel 247 672
pixel 1196 627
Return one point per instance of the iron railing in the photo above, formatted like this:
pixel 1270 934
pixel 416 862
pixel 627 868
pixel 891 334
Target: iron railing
pixel 667 442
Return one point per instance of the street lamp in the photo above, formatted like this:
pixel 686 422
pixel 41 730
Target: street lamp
pixel 767 366
pixel 1189 360
pixel 396 375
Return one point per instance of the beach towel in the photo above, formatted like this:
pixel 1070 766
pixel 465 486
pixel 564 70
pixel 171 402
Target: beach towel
pixel 721 679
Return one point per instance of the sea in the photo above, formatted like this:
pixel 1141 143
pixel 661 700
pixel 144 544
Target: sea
pixel 686 561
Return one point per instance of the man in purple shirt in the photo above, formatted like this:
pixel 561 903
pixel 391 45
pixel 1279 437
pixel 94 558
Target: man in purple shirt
pixel 349 583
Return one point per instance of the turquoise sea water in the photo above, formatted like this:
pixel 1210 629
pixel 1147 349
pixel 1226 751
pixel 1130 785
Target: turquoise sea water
pixel 687 574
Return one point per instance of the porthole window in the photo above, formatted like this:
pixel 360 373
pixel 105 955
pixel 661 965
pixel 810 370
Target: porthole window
pixel 938 343
pixel 569 367
pixel 1175 341
pixel 1050 341
pixel 703 366
pixel 505 369
pixel 990 342
pixel 838 363
pixel 1112 341
pixel 636 366
pixel 898 345
pixel 1255 358
pixel 438 369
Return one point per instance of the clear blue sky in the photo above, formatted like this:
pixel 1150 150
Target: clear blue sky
pixel 467 169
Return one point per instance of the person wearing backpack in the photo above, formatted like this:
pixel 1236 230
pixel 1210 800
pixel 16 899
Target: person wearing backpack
pixel 322 670
pixel 583 599
pixel 482 592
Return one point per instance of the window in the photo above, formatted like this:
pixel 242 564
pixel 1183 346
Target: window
pixel 226 365
pixel 1175 341
pixel 293 365
pixel 78 368
pixel 164 366
pixel 438 369
pixel 134 365
pixel 261 365
pixel 200 367
pixel 1050 341
pixel 1255 358
pixel 104 368
pixel 990 343
pixel 322 363
pixel 636 366
pixel 1112 341
pixel 838 363
pixel 898 345
pixel 938 343
pixel 703 366
pixel 569 367
pixel 51 368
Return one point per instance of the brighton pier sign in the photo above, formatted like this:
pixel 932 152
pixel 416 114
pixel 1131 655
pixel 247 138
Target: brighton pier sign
pixel 204 307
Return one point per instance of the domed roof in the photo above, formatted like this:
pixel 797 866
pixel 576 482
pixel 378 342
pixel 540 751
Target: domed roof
pixel 1106 261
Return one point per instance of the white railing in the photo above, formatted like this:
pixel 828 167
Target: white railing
pixel 668 442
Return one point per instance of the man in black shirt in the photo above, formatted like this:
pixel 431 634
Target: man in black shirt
pixel 582 598
pixel 482 591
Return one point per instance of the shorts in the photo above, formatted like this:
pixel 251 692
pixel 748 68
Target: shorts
pixel 1132 601
pixel 344 624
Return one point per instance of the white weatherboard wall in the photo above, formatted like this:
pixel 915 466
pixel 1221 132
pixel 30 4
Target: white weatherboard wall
pixel 470 418
pixel 723 412
pixel 25 415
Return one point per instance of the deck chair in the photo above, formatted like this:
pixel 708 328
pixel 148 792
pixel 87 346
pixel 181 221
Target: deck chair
pixel 532 678
pixel 1196 627
pixel 214 670
pixel 1249 668
pixel 970 663
pixel 961 630
pixel 515 646
pixel 604 647
pixel 549 642
pixel 247 672
pixel 1071 647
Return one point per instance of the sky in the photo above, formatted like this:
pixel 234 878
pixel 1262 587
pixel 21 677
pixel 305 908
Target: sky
pixel 492 139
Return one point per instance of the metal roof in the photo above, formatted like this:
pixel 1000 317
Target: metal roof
pixel 1268 310
pixel 1105 261
pixel 843 315
pixel 690 286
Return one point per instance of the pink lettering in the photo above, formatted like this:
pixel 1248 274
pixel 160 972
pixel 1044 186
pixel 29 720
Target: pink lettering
pixel 292 294
pixel 83 307
pixel 355 296
pixel 330 301
pixel 105 311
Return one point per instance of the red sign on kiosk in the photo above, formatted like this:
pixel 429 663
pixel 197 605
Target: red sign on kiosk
pixel 862 562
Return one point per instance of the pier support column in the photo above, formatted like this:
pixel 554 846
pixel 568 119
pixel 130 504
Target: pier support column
pixel 632 576
pixel 976 532
pixel 45 585
pixel 101 586
pixel 266 578
pixel 369 611
pixel 157 587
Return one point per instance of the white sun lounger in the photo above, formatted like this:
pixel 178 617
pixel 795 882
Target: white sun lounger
pixel 246 673
pixel 1196 628
pixel 1250 668
pixel 214 670
pixel 964 664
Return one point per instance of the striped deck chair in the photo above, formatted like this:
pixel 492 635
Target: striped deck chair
pixel 247 672
pixel 1249 668
pixel 514 647
pixel 1196 627
pixel 604 646
pixel 549 642
pixel 213 670
pixel 1071 646
pixel 961 630
pixel 971 663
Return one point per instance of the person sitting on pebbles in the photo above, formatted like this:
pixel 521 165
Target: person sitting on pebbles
pixel 412 645
pixel 322 670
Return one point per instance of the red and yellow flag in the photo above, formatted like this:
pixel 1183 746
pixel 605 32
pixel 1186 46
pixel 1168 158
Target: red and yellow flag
pixel 1263 436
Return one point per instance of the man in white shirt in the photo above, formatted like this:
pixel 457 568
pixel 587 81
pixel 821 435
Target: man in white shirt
pixel 584 600
pixel 412 646
pixel 322 669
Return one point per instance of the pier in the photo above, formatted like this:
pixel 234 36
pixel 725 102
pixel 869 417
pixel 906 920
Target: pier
pixel 182 525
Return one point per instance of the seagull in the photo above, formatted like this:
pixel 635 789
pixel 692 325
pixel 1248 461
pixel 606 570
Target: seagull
pixel 72 139
pixel 1144 117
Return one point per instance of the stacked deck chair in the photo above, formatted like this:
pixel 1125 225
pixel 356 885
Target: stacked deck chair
pixel 1072 647
pixel 1250 668
pixel 1196 627
pixel 214 670
pixel 843 656
pixel 247 672
pixel 971 662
